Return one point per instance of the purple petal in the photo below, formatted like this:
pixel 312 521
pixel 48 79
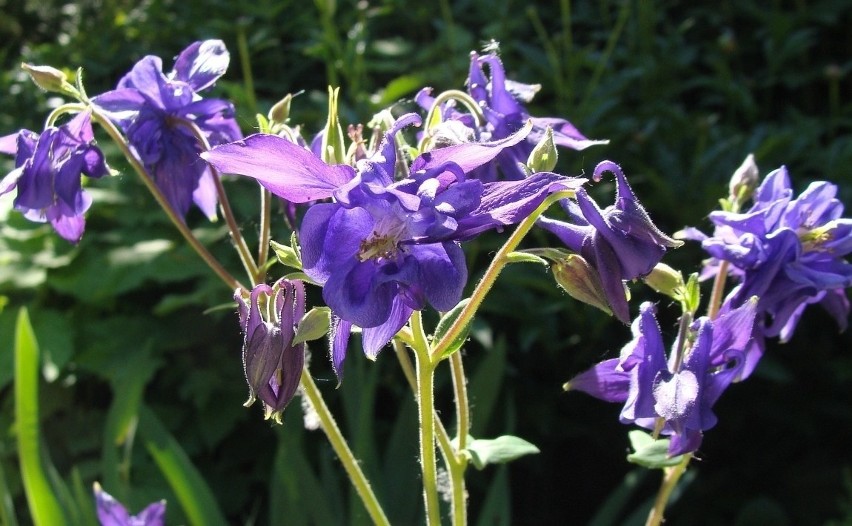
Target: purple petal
pixel 469 155
pixel 202 63
pixel 605 381
pixel 442 273
pixel 285 169
pixel 339 333
pixel 374 338
pixel 509 202
pixel 331 236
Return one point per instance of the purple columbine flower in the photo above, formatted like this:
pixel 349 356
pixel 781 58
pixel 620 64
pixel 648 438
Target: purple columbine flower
pixel 620 241
pixel 788 251
pixel 154 110
pixel 673 396
pixel 383 248
pixel 502 103
pixel 48 172
pixel 112 513
pixel 272 364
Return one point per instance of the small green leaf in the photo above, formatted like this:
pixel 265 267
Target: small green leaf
pixel 444 325
pixel 498 450
pixel 650 453
pixel 287 255
pixel 313 326
pixel 525 257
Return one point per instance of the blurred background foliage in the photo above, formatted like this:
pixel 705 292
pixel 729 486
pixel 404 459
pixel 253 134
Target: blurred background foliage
pixel 684 90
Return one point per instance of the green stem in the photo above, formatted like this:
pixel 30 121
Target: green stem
pixel 176 220
pixel 245 62
pixel 426 411
pixel 459 502
pixel 493 271
pixel 240 244
pixel 338 443
pixel 718 291
pixel 670 479
pixel 265 220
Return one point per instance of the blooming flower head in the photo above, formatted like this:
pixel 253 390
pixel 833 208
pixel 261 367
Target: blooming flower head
pixel 788 251
pixel 674 395
pixel 620 241
pixel 48 172
pixel 156 110
pixel 272 364
pixel 501 102
pixel 384 247
pixel 112 513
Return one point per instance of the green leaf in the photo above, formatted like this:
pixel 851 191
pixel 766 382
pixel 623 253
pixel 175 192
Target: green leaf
pixel 313 326
pixel 7 508
pixel 286 255
pixel 194 495
pixel 444 325
pixel 44 506
pixel 498 450
pixel 650 453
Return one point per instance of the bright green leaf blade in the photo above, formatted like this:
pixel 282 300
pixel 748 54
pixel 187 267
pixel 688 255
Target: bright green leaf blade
pixel 44 506
pixel 286 255
pixel 194 495
pixel 498 450
pixel 650 453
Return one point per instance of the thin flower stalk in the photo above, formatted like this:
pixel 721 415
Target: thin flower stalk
pixel 347 458
pixel 426 413
pixel 501 259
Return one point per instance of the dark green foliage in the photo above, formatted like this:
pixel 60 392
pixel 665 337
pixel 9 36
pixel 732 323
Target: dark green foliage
pixel 683 90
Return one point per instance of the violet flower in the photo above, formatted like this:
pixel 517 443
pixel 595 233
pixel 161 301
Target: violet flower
pixel 620 241
pixel 271 363
pixel 384 248
pixel 671 395
pixel 502 103
pixel 788 251
pixel 48 172
pixel 112 513
pixel 154 110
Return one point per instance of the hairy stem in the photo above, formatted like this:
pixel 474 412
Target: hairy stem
pixel 347 458
pixel 500 260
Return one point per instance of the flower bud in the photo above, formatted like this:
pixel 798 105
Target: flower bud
pixel 280 112
pixel 744 180
pixel 580 281
pixel 544 156
pixel 48 78
pixel 665 280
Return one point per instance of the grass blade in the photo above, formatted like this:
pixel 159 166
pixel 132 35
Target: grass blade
pixel 44 506
pixel 194 494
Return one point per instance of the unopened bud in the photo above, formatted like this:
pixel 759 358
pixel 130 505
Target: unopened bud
pixel 544 156
pixel 580 281
pixel 48 78
pixel 744 180
pixel 280 112
pixel 665 280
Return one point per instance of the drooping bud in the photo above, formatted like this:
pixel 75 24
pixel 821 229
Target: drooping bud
pixel 271 362
pixel 544 156
pixel 580 281
pixel 49 79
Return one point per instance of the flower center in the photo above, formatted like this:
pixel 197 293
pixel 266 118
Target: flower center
pixel 383 242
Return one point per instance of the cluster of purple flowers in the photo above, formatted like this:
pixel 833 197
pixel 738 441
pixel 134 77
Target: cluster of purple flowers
pixel 383 236
pixel 785 253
